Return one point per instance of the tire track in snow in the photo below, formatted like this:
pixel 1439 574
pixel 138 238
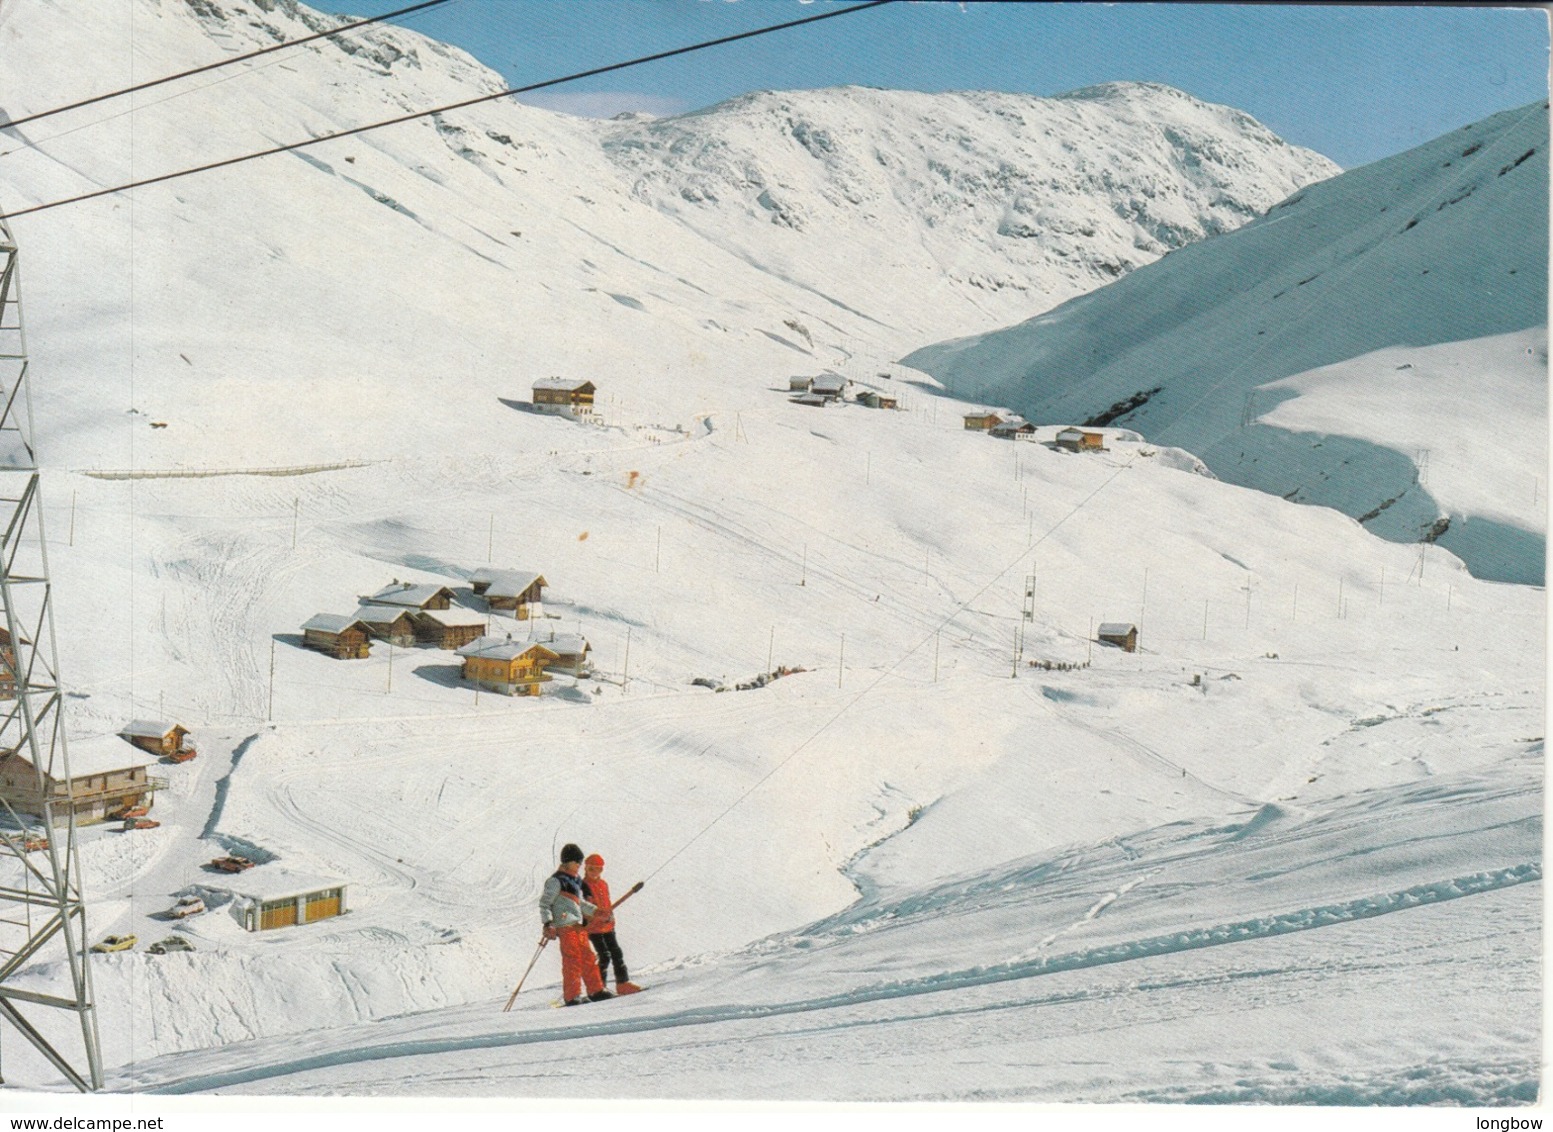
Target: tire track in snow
pixel 1243 931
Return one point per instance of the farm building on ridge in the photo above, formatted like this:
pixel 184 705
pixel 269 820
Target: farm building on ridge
pixel 1081 440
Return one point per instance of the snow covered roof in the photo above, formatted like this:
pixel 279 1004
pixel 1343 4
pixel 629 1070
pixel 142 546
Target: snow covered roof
pixel 272 882
pixel 450 618
pixel 380 614
pixel 829 382
pixel 504 648
pixel 568 644
pixel 808 399
pixel 564 384
pixel 147 729
pixel 1070 431
pixel 330 622
pixel 1117 628
pixel 512 583
pixel 102 754
pixel 408 593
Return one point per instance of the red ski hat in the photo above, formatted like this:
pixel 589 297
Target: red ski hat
pixel 595 859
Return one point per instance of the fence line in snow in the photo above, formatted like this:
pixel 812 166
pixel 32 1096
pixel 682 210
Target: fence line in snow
pixel 204 473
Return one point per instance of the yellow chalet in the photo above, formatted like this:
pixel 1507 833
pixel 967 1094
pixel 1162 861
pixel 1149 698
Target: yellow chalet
pixel 513 668
pixel 563 395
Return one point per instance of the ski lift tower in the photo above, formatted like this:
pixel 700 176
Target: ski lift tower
pixel 41 908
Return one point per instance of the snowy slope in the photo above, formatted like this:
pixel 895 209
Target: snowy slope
pixel 1443 244
pixel 1327 750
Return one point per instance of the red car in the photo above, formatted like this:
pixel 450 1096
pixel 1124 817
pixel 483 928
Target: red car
pixel 231 864
pixel 129 812
pixel 139 823
pixel 182 756
pixel 34 844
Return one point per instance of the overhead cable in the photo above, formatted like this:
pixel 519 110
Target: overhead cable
pixel 221 63
pixel 702 46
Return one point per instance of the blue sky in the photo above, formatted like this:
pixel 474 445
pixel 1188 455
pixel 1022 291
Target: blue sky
pixel 1354 83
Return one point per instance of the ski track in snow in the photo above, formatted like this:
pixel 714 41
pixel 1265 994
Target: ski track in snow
pixel 1261 927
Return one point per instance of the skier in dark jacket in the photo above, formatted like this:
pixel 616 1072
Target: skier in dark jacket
pixel 564 911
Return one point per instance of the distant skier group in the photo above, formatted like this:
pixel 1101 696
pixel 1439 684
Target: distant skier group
pixel 575 910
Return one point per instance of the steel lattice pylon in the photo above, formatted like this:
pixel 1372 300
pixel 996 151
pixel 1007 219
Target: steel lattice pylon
pixel 41 907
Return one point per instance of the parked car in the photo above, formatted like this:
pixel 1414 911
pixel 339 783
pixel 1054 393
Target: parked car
pixel 129 812
pixel 186 906
pixel 140 823
pixel 35 844
pixel 115 943
pixel 231 864
pixel 171 943
pixel 182 756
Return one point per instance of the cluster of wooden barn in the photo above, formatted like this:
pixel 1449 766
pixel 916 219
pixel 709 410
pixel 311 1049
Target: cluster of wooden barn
pixel 830 387
pixel 1011 426
pixel 106 777
pixel 407 614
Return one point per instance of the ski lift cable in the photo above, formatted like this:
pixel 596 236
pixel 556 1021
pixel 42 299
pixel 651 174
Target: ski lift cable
pixel 877 680
pixel 460 105
pixel 149 83
pixel 38 144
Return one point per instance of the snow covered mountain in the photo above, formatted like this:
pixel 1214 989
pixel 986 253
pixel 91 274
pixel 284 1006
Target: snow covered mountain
pixel 968 205
pixel 1376 343
pixel 1313 793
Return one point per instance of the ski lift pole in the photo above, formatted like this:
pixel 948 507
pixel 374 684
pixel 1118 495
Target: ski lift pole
pixel 542 941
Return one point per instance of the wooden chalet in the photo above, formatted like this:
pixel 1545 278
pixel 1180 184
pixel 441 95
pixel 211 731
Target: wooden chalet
pixel 799 383
pixel 411 595
pixel 831 386
pixel 448 628
pixel 271 897
pixel 513 668
pixel 105 776
pixel 564 396
pixel 166 739
pixel 519 591
pixel 337 635
pixel 392 623
pixel 1013 428
pixel 571 654
pixel 1122 634
pixel 876 400
pixel 1081 440
pixel 813 400
pixel 982 419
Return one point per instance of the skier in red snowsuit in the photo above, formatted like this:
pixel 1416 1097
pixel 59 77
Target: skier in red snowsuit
pixel 601 929
pixel 564 910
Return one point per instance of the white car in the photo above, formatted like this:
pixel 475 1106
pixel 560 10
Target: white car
pixel 186 906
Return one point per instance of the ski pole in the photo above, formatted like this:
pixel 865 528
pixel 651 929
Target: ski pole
pixel 542 941
pixel 630 892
